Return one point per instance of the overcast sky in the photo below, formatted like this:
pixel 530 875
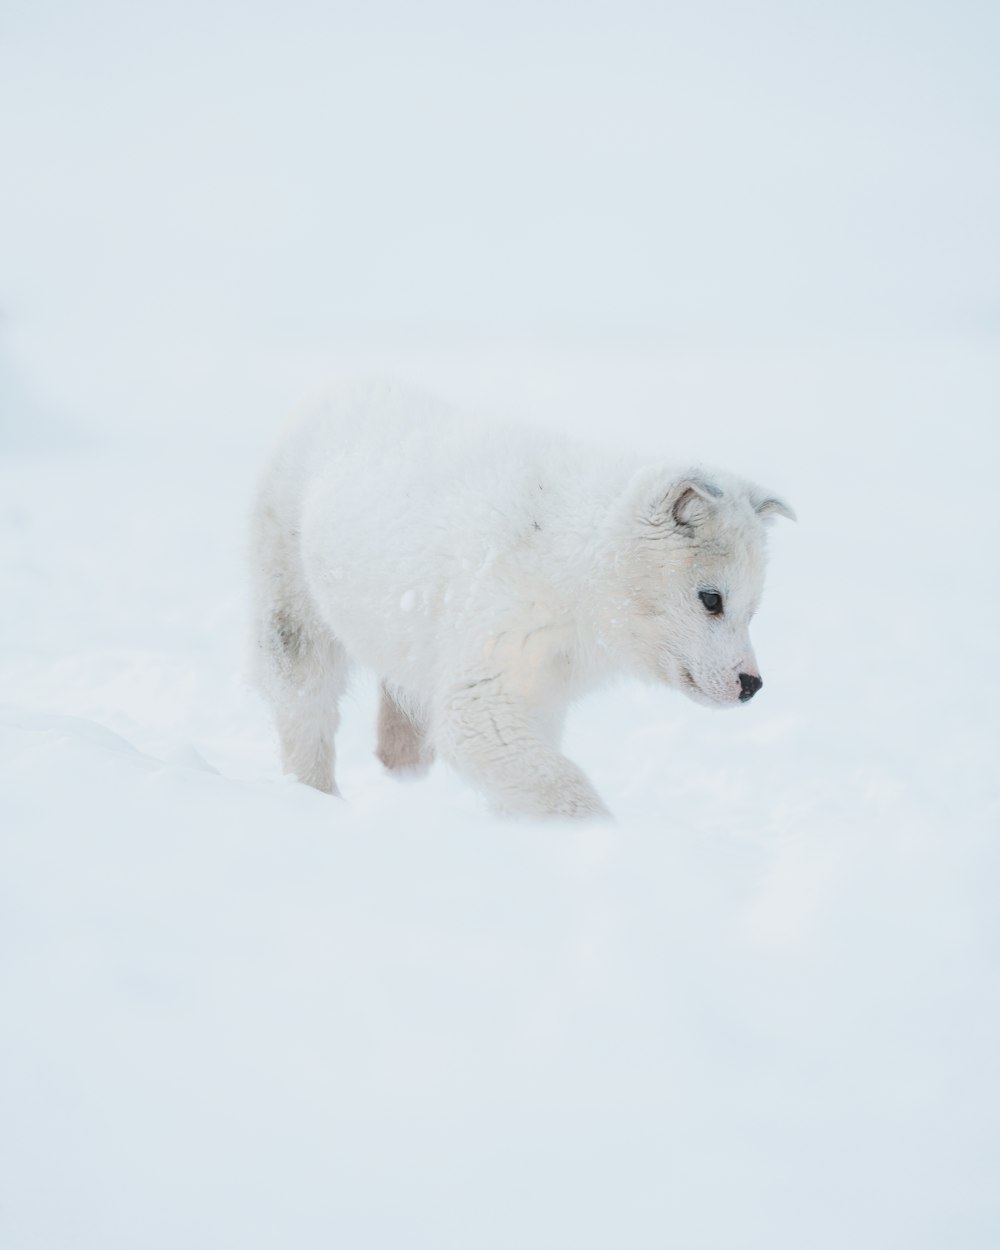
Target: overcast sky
pixel 198 190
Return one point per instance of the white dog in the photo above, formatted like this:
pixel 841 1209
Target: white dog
pixel 489 577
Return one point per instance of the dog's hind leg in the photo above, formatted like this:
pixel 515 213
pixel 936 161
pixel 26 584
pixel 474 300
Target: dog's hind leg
pixel 403 744
pixel 301 668
pixel 306 673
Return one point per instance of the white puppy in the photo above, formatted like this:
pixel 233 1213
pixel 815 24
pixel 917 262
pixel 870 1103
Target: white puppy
pixel 489 577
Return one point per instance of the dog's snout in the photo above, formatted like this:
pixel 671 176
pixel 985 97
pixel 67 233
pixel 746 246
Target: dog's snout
pixel 749 685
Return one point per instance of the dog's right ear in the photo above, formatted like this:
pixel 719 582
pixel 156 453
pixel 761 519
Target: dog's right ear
pixel 768 506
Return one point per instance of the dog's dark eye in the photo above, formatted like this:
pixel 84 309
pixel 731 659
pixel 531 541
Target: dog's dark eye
pixel 711 600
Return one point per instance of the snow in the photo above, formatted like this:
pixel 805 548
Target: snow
pixel 761 1008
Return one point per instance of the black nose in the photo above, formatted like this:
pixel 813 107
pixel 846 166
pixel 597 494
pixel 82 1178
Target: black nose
pixel 748 686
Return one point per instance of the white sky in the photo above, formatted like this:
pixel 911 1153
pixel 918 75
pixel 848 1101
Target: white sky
pixel 190 192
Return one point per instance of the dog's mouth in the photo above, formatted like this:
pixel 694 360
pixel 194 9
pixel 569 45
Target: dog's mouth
pixel 691 688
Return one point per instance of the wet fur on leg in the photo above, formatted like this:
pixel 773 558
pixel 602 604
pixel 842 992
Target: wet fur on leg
pixel 403 744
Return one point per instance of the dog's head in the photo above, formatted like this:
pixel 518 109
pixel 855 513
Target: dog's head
pixel 693 578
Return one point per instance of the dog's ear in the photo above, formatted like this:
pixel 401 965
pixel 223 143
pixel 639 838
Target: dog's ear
pixel 669 502
pixel 687 502
pixel 692 499
pixel 768 506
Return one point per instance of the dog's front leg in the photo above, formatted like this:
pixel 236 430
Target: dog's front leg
pixel 497 740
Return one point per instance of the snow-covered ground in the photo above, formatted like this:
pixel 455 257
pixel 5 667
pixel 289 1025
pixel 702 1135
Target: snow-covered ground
pixel 760 1010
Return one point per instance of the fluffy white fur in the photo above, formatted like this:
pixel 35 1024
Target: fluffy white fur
pixel 489 577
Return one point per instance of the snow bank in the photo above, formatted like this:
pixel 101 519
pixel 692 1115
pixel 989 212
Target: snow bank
pixel 760 1010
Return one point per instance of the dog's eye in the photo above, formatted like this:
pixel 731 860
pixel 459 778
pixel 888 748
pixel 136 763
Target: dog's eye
pixel 711 600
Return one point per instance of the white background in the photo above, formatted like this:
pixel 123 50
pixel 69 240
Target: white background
pixel 758 1011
